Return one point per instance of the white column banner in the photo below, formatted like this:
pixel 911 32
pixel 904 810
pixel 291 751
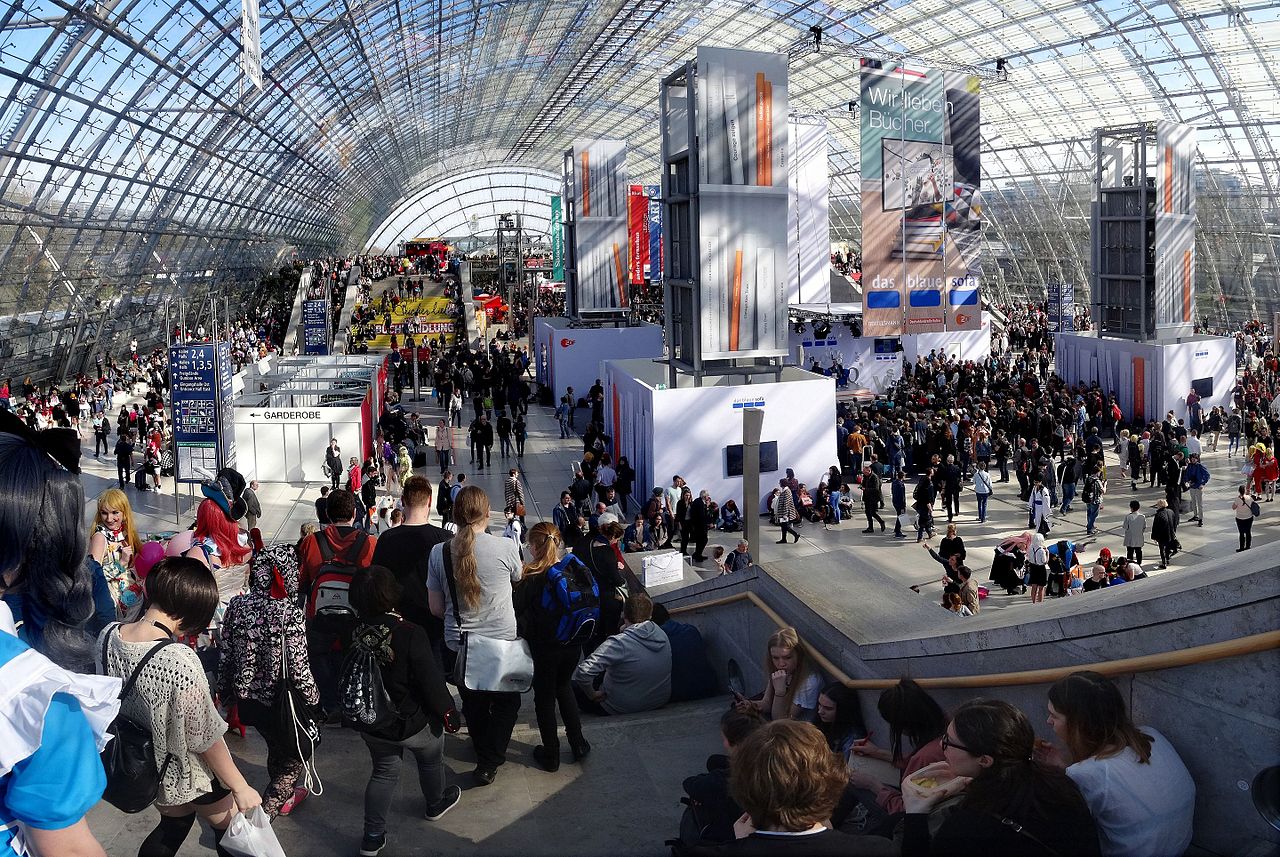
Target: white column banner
pixel 250 42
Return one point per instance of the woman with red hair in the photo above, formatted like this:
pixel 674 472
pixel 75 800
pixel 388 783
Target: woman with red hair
pixel 216 538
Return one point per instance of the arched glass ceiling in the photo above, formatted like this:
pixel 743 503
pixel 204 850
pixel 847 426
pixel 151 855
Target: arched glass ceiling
pixel 135 165
pixel 468 205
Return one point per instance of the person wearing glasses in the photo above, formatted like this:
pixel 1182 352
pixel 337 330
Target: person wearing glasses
pixel 1010 803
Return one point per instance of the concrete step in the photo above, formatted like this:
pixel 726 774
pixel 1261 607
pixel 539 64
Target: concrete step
pixel 624 799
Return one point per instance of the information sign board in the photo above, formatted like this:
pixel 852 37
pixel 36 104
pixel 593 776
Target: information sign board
pixel 315 327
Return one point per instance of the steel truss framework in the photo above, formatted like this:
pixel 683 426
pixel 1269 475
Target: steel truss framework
pixel 135 167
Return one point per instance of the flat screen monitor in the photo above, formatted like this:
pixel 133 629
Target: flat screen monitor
pixel 886 346
pixel 1203 387
pixel 768 458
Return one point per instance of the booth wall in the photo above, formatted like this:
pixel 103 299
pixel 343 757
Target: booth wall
pixel 292 450
pixel 965 344
pixel 692 427
pixel 1149 377
pixel 574 354
pixel 629 421
pixel 867 369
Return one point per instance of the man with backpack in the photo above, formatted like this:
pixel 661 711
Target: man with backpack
pixel 1092 497
pixel 329 559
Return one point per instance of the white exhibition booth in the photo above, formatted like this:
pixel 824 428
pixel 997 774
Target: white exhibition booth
pixel 874 362
pixel 282 432
pixel 1150 379
pixel 569 356
pixel 696 432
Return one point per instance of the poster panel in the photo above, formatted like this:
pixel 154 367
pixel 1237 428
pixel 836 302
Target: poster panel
pixel 599 185
pixel 654 192
pixel 557 240
pixel 315 327
pixel 921 199
pixel 808 214
pixel 227 420
pixel 637 233
pixel 742 204
pixel 1175 229
pixel 962 220
pixel 194 388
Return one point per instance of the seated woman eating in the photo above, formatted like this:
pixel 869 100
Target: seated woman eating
pixel 792 691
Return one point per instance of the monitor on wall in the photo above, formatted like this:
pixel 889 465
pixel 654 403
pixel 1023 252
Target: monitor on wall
pixel 1203 387
pixel 768 458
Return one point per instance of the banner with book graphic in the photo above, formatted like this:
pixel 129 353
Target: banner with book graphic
pixel 742 202
pixel 596 183
pixel 921 199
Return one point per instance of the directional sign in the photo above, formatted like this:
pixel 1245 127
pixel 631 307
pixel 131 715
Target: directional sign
pixel 315 327
pixel 200 395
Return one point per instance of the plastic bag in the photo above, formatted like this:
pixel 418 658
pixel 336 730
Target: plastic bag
pixel 251 836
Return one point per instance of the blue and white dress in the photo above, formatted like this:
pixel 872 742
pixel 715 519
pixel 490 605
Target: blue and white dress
pixel 52 729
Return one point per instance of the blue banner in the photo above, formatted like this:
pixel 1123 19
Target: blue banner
pixel 654 192
pixel 315 327
pixel 193 395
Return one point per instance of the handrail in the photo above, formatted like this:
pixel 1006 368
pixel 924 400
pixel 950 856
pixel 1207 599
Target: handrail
pixel 1143 663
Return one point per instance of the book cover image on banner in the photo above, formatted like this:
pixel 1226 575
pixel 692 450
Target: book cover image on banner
pixel 1175 274
pixel 962 221
pixel 557 240
pixel 742 202
pixel 637 233
pixel 907 169
pixel 654 192
pixel 599 185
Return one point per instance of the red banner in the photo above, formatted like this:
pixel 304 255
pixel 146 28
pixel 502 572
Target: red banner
pixel 637 232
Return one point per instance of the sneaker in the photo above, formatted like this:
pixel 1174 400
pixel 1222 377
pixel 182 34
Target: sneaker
pixel 451 798
pixel 299 795
pixel 370 846
pixel 485 776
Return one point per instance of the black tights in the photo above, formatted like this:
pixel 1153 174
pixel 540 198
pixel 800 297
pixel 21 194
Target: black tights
pixel 171 832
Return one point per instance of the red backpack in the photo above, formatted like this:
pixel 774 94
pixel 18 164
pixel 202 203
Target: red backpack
pixel 331 589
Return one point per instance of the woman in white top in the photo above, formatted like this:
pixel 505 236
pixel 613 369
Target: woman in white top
pixel 1139 792
pixel 171 698
pixel 469 581
pixel 1242 509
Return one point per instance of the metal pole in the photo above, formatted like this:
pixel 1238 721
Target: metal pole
pixel 752 423
pixel 417 397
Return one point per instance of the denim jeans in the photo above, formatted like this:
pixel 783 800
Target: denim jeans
pixel 1068 494
pixel 1091 515
pixel 982 505
pixel 428 752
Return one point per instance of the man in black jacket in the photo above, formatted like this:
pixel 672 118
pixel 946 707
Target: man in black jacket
pixel 872 498
pixel 482 441
pixel 322 505
pixel 124 457
pixel 702 519
pixel 951 487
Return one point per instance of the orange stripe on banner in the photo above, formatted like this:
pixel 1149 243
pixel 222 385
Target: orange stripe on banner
pixel 768 133
pixel 735 306
pixel 1139 388
pixel 586 184
pixel 1168 179
pixel 1186 285
pixel 622 283
pixel 760 99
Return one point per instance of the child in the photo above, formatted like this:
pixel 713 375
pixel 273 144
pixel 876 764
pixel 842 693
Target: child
pixel 717 557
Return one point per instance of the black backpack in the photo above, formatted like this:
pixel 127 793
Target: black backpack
pixel 133 780
pixel 366 705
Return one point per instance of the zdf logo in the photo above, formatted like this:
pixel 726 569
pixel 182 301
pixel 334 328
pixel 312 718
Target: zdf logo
pixel 565 343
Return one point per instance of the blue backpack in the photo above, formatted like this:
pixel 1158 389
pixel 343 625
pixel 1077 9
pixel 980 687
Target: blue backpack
pixel 572 595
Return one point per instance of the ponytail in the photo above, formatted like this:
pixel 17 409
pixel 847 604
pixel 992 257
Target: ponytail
pixel 470 508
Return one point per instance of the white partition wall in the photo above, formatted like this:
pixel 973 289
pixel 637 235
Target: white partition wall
pixel 1150 379
pixel 874 363
pixel 961 344
pixel 571 356
pixel 688 430
pixel 287 444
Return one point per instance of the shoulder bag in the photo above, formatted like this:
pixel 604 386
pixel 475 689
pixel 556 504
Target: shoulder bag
pixel 485 663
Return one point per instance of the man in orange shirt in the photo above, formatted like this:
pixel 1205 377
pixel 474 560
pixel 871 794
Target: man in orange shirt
pixel 857 442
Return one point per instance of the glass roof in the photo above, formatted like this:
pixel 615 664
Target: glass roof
pixel 135 164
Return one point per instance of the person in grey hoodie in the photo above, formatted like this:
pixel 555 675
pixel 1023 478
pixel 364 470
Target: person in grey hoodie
pixel 634 664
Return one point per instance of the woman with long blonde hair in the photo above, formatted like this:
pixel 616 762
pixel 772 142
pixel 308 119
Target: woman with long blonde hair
pixel 555 636
pixel 113 545
pixel 793 688
pixel 469 585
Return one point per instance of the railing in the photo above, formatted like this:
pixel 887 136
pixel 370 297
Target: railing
pixel 1144 663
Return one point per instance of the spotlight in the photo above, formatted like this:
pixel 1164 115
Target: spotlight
pixel 1002 69
pixel 855 326
pixel 853 105
pixel 816 32
pixel 821 329
pixel 798 326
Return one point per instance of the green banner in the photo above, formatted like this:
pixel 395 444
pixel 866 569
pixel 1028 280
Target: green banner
pixel 557 241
